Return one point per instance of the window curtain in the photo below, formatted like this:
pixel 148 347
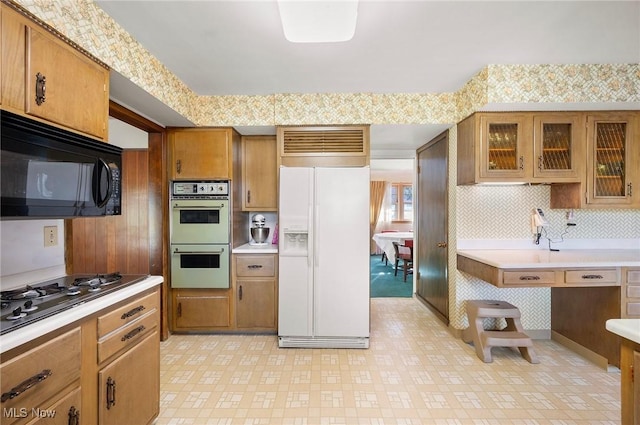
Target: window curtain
pixel 378 189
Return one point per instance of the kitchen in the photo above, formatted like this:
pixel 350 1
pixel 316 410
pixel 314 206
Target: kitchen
pixel 478 219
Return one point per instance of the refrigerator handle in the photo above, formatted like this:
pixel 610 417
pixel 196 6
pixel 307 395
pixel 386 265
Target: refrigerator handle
pixel 316 249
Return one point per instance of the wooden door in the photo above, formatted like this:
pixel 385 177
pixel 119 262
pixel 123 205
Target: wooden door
pixel 432 285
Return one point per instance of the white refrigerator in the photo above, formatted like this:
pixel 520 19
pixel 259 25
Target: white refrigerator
pixel 323 286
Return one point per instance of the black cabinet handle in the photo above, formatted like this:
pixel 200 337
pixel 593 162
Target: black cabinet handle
pixel 132 312
pixel 240 292
pixel 248 196
pixel 592 276
pixel 41 87
pixel 178 166
pixel 25 385
pixel 133 333
pixel 74 416
pixel 254 266
pixel 179 309
pixel 529 277
pixel 111 392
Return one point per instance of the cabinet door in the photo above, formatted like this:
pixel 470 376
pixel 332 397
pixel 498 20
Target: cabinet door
pixel 558 147
pixel 200 154
pixel 259 173
pixel 129 391
pixel 64 86
pixel 255 307
pixel 195 309
pixel 502 146
pixel 64 412
pixel 611 170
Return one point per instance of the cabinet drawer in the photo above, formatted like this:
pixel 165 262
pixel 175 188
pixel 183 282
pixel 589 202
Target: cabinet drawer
pixel 255 265
pixel 633 309
pixel 127 313
pixel 593 277
pixel 36 376
pixel 529 278
pixel 127 336
pixel 633 276
pixel 633 291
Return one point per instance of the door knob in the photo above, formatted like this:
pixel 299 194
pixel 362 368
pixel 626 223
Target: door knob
pixel 441 245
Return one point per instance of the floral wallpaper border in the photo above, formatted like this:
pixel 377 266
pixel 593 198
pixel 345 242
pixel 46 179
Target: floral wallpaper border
pixel 83 22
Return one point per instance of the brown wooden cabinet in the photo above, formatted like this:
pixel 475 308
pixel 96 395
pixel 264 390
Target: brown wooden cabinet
pixel 255 289
pixel 630 294
pixel 64 412
pixel 201 153
pixel 45 77
pixel 54 367
pixel 613 157
pixel 259 173
pixel 201 310
pixel 128 350
pixel 520 147
pixel 630 386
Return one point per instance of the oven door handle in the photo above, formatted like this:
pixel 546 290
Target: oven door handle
pixel 177 251
pixel 177 206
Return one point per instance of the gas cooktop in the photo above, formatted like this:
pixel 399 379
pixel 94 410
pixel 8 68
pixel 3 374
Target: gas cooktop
pixel 29 304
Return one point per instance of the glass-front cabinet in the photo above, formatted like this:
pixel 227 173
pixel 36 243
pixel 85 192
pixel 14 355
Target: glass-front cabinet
pixel 558 146
pixel 502 146
pixel 612 172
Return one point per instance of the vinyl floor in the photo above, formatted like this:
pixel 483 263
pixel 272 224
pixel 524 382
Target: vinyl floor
pixel 415 372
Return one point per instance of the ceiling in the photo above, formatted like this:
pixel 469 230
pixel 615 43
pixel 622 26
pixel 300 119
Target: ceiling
pixel 238 48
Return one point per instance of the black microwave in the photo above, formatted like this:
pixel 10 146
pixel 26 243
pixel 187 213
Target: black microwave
pixel 48 172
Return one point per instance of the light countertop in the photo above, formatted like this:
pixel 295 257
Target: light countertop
pixel 626 328
pixel 538 258
pixel 256 249
pixel 43 327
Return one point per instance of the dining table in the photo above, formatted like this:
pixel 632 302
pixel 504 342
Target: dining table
pixel 385 242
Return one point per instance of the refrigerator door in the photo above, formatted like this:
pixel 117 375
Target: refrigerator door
pixel 341 252
pixel 295 295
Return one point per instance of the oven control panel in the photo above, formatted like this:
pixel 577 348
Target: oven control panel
pixel 201 188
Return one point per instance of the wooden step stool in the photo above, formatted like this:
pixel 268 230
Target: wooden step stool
pixel 511 336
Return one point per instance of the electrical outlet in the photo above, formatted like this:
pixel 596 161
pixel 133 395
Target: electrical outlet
pixel 50 235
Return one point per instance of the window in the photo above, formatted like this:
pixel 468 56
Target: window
pixel 401 202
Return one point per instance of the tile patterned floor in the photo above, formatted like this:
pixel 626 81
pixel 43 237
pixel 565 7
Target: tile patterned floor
pixel 415 372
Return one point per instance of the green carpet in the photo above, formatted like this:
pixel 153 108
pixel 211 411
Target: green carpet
pixel 385 284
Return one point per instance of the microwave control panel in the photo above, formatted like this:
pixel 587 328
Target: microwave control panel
pixel 200 189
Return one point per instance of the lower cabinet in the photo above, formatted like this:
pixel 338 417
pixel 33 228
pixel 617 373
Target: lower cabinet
pixel 42 385
pixel 201 309
pixel 128 356
pixel 631 294
pixel 255 289
pixel 130 385
pixel 630 387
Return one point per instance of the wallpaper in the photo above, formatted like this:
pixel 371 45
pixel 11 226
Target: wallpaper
pixel 85 23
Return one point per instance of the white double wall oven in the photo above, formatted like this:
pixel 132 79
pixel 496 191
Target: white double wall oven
pixel 200 234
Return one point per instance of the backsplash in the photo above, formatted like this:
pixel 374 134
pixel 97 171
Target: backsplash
pixel 24 257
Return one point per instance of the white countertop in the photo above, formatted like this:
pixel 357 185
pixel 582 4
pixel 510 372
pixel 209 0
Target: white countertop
pixel 42 327
pixel 626 328
pixel 256 249
pixel 538 258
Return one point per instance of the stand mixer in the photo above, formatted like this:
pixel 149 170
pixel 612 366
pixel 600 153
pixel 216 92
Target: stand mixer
pixel 259 233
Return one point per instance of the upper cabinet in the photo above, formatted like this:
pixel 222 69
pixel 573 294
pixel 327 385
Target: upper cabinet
pixel 520 147
pixel 259 173
pixel 613 158
pixel 611 173
pixel 202 153
pixel 45 77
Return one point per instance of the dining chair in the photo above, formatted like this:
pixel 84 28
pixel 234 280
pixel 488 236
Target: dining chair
pixel 404 253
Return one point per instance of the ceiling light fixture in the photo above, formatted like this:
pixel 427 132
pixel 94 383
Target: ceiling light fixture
pixel 316 21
